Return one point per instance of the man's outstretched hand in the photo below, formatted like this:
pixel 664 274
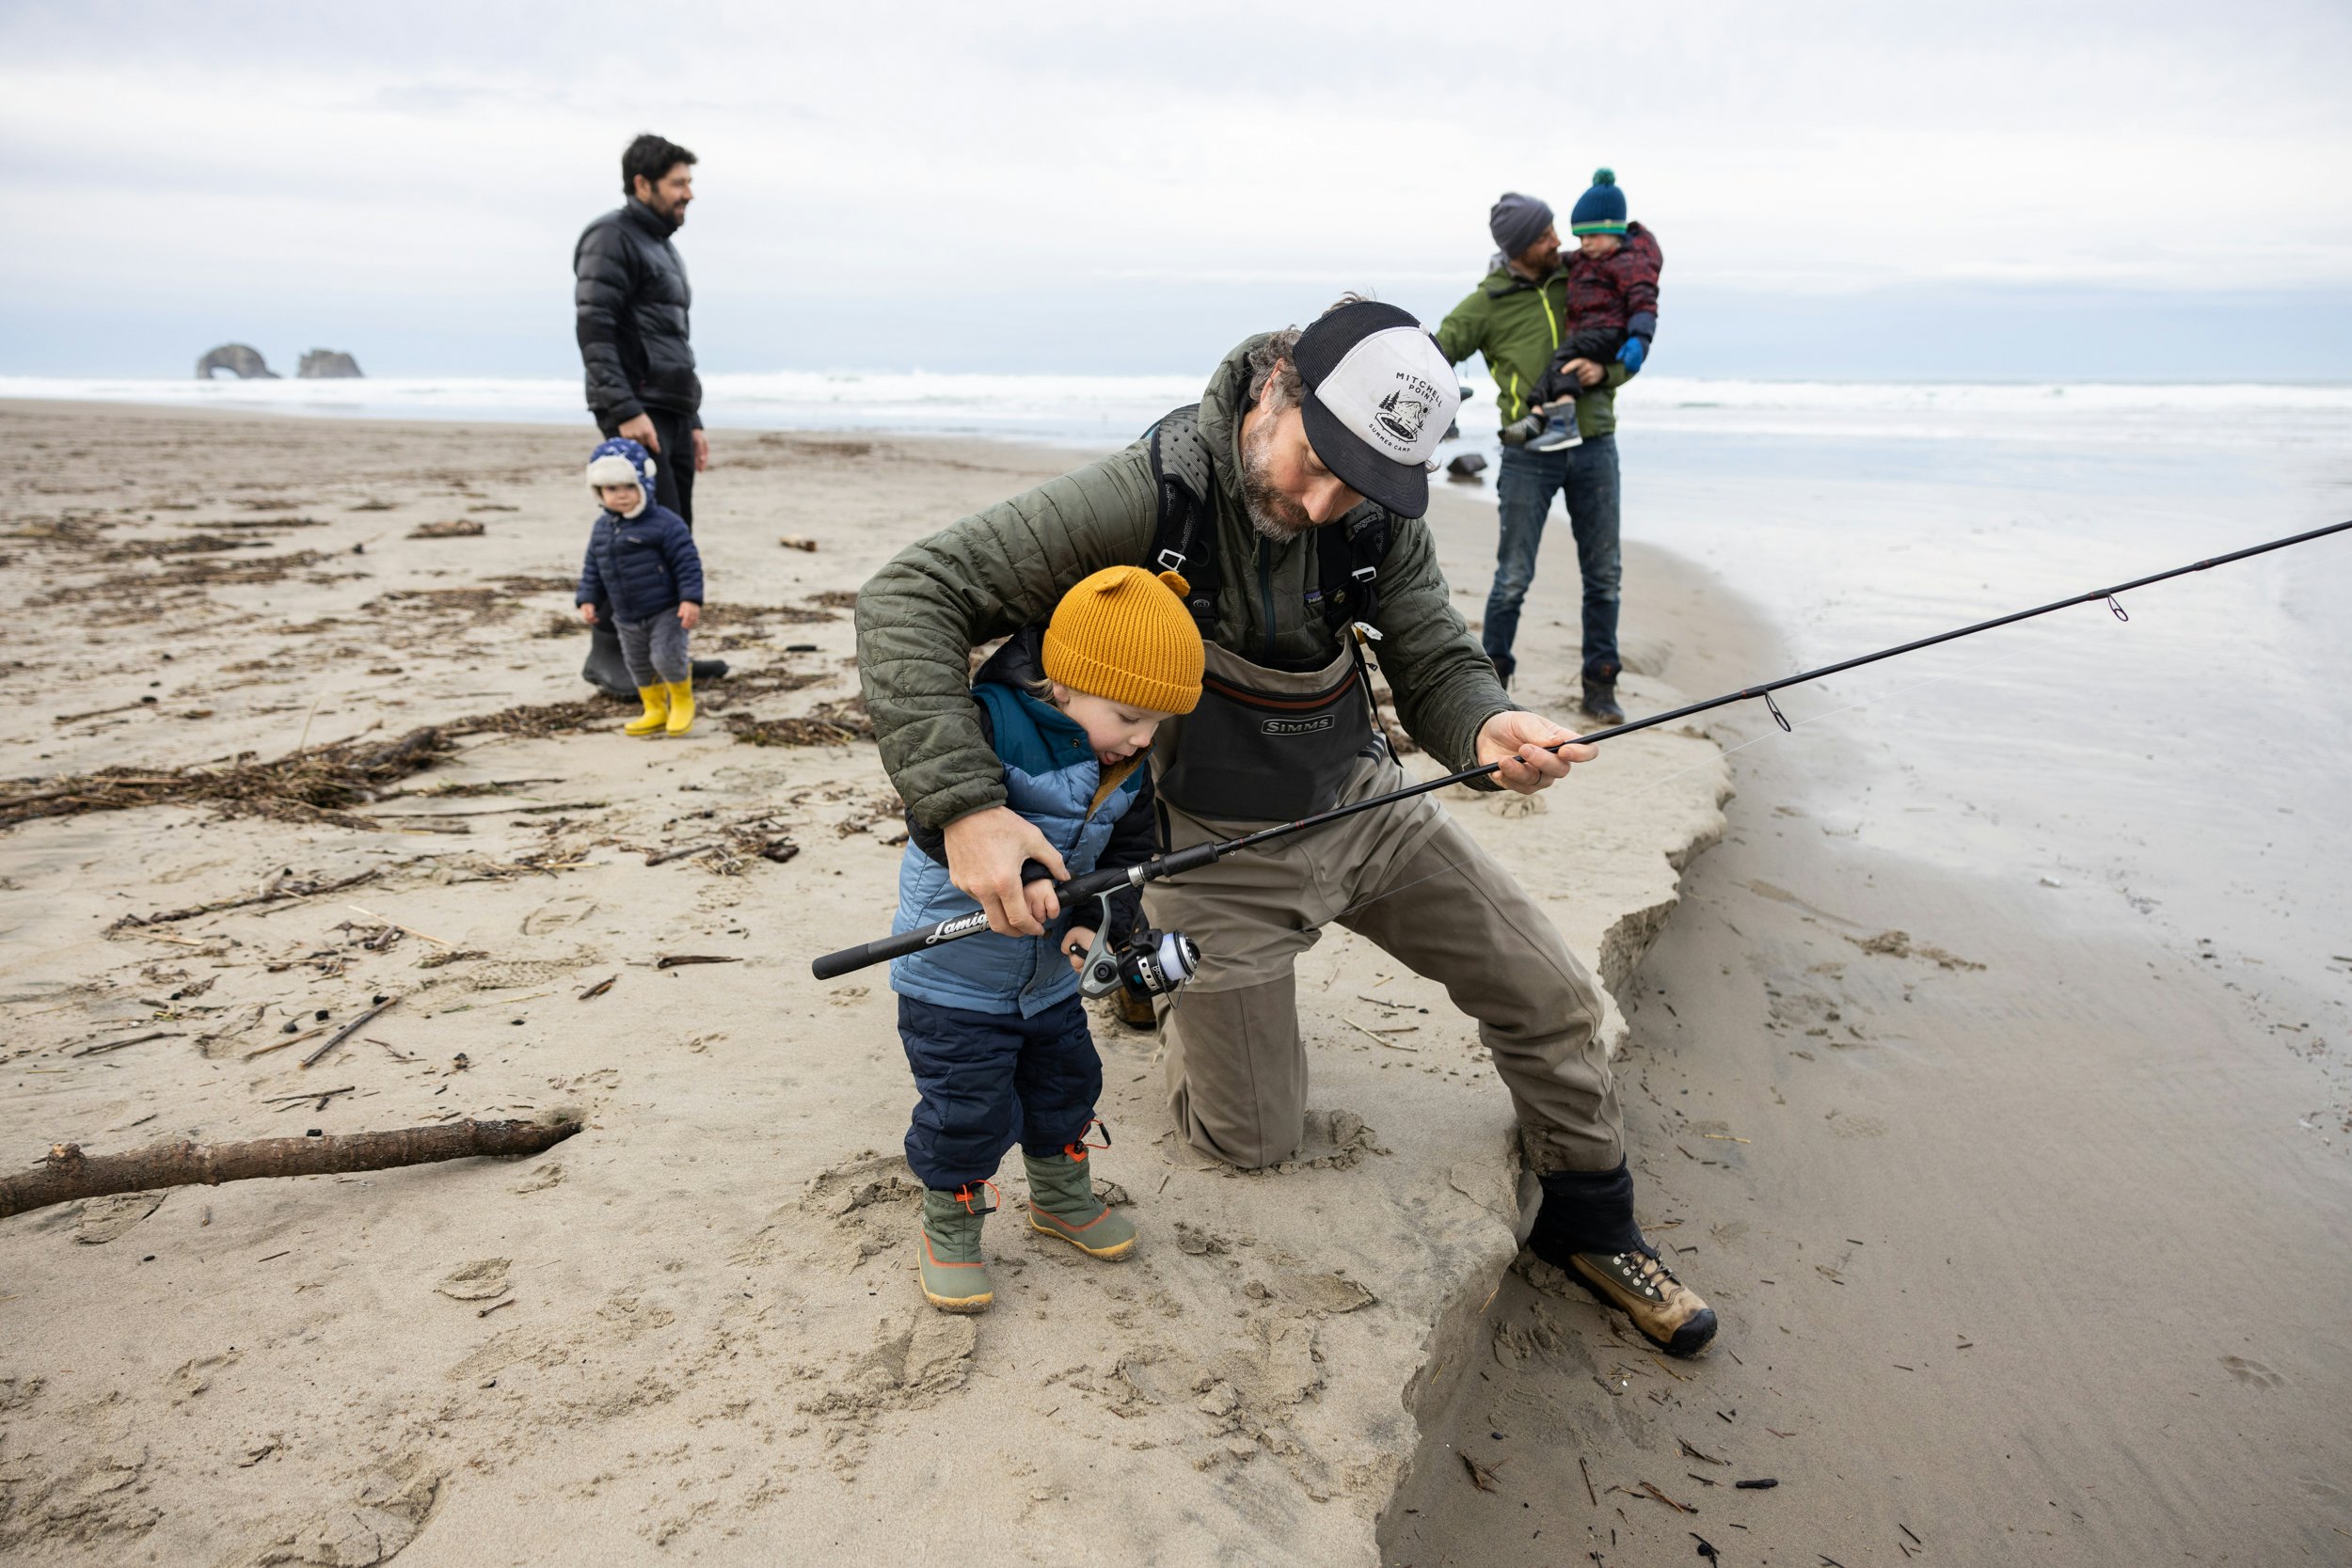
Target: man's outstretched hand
pixel 1518 741
pixel 985 853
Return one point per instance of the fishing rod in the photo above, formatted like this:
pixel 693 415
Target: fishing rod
pixel 1096 884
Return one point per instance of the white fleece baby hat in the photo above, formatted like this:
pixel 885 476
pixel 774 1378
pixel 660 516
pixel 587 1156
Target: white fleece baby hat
pixel 622 462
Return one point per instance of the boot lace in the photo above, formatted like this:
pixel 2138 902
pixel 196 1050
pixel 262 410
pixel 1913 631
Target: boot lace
pixel 1077 1151
pixel 1644 1272
pixel 967 1196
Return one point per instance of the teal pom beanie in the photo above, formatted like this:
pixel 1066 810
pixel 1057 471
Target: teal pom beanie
pixel 1600 210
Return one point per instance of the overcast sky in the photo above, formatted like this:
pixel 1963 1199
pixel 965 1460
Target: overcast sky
pixel 2139 188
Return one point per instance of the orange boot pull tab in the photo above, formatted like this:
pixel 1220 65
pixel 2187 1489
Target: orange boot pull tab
pixel 965 1195
pixel 1078 1150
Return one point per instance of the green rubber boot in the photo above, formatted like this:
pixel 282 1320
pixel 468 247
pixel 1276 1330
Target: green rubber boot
pixel 1062 1203
pixel 954 1275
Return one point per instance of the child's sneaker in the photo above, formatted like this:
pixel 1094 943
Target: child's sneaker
pixel 1561 433
pixel 1522 430
pixel 953 1272
pixel 1062 1203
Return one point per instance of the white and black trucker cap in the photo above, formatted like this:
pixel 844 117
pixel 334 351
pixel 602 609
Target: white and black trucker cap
pixel 1379 398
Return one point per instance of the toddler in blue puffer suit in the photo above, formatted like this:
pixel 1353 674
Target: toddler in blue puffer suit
pixel 993 1024
pixel 644 571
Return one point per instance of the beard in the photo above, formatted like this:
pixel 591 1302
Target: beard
pixel 1271 513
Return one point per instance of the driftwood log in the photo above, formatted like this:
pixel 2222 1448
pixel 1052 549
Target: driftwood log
pixel 68 1173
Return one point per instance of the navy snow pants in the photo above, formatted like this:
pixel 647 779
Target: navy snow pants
pixel 991 1079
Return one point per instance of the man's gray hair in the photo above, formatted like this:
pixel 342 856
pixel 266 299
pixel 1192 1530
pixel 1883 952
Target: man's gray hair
pixel 1275 362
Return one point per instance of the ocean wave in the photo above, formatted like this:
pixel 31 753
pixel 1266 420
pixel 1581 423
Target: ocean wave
pixel 1099 411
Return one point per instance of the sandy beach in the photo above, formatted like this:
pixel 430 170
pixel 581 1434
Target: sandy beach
pixel 692 1328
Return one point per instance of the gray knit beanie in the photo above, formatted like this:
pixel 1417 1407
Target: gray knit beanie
pixel 1516 222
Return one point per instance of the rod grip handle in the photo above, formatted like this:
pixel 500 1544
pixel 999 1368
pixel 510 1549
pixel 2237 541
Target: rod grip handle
pixel 883 949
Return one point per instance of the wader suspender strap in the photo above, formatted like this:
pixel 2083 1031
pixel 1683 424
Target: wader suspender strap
pixel 1181 475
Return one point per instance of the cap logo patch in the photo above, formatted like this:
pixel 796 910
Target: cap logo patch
pixel 1402 412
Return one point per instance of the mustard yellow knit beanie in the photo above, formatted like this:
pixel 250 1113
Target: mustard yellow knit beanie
pixel 1124 636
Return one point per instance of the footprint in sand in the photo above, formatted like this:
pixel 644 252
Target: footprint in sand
pixel 2246 1370
pixel 104 1218
pixel 484 1279
pixel 1846 1125
pixel 557 914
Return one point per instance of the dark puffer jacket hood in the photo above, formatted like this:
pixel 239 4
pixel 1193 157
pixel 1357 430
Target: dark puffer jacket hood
pixel 631 303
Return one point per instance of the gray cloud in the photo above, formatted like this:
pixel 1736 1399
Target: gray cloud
pixel 229 157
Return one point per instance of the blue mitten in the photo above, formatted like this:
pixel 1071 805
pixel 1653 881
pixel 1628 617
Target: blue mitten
pixel 1630 356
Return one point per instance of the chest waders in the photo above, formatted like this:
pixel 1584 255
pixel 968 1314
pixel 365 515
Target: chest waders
pixel 1267 742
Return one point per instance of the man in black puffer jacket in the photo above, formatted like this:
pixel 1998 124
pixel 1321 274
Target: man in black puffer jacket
pixel 631 300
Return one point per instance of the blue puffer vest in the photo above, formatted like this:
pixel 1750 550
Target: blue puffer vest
pixel 1050 778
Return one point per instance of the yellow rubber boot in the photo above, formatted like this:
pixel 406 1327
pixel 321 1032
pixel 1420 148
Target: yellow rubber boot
pixel 681 705
pixel 656 714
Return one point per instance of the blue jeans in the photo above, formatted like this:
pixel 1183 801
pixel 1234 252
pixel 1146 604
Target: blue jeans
pixel 1586 478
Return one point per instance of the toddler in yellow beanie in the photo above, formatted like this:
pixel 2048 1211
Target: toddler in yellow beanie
pixel 993 1025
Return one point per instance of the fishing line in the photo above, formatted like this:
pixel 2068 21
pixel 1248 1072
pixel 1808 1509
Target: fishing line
pixel 2041 643
pixel 1095 883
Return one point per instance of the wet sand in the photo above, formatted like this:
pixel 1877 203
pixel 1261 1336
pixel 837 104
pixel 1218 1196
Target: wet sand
pixel 2028 1241
pixel 693 1327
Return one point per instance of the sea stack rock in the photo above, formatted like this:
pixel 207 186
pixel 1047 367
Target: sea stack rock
pixel 327 364
pixel 1465 467
pixel 239 360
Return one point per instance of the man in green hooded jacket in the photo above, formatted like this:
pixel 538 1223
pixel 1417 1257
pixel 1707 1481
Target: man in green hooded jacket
pixel 1514 320
pixel 1300 440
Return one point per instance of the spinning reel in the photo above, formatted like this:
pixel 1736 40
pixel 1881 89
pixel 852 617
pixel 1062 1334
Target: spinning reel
pixel 1149 963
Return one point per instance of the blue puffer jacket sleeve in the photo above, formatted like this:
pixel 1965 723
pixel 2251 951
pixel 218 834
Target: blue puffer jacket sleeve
pixel 685 561
pixel 591 580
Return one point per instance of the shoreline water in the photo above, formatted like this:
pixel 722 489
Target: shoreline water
pixel 1986 1240
pixel 1099 412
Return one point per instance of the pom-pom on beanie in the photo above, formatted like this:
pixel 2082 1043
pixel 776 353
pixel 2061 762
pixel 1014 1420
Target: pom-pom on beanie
pixel 1516 222
pixel 1600 210
pixel 1123 635
pixel 621 461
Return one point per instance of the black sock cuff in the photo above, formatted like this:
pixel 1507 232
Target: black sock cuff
pixel 1586 1211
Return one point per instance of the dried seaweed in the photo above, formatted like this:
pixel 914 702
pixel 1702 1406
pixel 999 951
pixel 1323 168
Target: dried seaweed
pixel 314 784
pixel 532 719
pixel 832 724
pixel 195 544
pixel 204 572
pixel 735 617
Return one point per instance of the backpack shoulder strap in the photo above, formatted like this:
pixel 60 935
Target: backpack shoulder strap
pixel 1347 567
pixel 1184 539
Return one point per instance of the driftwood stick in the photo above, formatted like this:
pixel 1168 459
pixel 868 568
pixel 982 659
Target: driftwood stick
pixel 68 1173
pixel 398 927
pixel 348 1030
pixel 273 896
pixel 136 1040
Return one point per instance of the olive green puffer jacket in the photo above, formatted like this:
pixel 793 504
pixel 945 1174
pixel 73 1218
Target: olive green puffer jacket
pixel 1515 326
pixel 1007 567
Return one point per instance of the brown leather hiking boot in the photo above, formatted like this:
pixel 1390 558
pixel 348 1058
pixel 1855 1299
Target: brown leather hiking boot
pixel 1136 1012
pixel 1668 1312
